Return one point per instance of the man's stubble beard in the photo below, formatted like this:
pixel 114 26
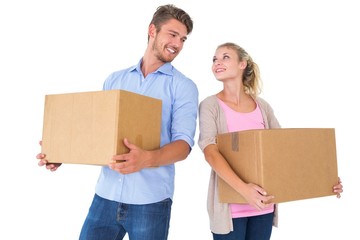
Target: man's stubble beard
pixel 158 54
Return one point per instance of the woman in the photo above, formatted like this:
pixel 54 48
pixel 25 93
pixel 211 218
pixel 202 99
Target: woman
pixel 236 107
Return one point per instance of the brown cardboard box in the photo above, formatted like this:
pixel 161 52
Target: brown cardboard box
pixel 89 127
pixel 290 164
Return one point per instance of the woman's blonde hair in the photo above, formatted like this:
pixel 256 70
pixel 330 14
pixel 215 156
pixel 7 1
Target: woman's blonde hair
pixel 251 78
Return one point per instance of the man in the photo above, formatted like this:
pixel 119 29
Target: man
pixel 134 196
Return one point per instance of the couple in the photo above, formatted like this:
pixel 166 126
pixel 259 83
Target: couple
pixel 145 213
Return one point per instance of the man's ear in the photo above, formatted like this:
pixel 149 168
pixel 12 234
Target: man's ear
pixel 152 31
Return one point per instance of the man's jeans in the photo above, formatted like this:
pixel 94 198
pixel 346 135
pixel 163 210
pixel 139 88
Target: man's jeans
pixel 110 220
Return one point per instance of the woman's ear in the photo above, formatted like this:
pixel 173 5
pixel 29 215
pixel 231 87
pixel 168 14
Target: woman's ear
pixel 243 64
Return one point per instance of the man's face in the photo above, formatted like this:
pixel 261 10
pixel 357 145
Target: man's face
pixel 169 41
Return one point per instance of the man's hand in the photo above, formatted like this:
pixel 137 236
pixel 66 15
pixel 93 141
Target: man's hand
pixel 134 161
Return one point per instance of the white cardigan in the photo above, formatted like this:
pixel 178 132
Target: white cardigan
pixel 212 121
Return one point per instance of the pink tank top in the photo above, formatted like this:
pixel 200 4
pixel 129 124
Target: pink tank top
pixel 237 121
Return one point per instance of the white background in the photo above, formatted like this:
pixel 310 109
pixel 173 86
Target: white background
pixel 308 53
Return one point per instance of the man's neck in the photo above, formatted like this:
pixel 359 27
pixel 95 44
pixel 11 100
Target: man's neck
pixel 150 63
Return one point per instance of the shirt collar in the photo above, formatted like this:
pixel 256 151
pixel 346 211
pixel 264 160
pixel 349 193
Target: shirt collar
pixel 166 68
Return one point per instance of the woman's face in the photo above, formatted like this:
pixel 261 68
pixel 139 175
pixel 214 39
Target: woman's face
pixel 226 64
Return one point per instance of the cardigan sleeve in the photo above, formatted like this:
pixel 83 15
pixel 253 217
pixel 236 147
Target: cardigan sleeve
pixel 211 122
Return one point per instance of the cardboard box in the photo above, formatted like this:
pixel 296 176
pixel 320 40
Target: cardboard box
pixel 89 127
pixel 290 164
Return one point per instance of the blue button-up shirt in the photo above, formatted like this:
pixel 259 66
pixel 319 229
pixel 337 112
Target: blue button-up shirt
pixel 179 97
